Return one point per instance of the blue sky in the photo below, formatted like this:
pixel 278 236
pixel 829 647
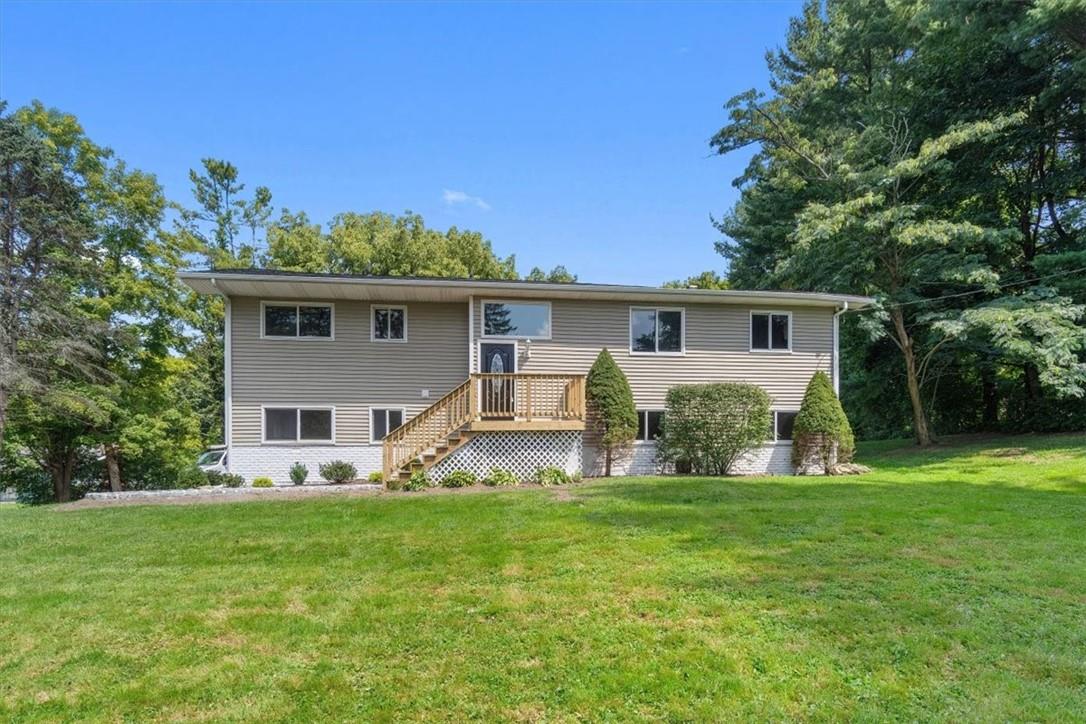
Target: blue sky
pixel 567 134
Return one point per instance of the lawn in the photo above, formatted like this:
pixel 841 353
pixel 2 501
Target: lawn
pixel 948 584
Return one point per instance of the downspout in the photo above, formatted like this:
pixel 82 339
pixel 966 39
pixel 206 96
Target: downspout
pixel 228 398
pixel 471 331
pixel 836 349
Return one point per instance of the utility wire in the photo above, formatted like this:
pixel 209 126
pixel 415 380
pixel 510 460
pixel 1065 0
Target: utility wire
pixel 975 291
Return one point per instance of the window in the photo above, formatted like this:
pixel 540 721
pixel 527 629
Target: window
pixel 771 331
pixel 307 321
pixel 783 422
pixel 649 423
pixel 656 331
pixel 298 424
pixel 389 324
pixel 523 320
pixel 384 421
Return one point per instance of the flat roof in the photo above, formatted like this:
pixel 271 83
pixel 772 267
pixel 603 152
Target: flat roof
pixel 278 284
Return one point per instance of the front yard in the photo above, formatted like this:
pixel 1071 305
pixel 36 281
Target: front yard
pixel 945 584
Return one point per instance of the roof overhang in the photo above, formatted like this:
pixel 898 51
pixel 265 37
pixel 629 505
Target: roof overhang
pixel 280 285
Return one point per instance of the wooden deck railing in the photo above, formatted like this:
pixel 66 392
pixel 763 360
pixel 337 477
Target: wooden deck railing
pixel 524 397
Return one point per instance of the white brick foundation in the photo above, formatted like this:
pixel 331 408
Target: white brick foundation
pixel 640 459
pixel 250 461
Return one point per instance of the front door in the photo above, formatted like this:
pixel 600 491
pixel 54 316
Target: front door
pixel 498 394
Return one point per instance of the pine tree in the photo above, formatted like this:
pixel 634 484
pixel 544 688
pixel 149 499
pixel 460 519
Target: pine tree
pixel 821 427
pixel 613 413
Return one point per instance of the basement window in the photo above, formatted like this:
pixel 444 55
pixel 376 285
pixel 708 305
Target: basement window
pixel 649 425
pixel 298 424
pixel 383 421
pixel 783 423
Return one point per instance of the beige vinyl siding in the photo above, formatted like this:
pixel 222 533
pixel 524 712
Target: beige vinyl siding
pixel 351 372
pixel 717 349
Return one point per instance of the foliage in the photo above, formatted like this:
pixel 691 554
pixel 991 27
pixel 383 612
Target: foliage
pixel 338 471
pixel 577 476
pixel 231 480
pixel 551 475
pixel 821 431
pixel 611 406
pixel 419 480
pixel 706 280
pixel 214 477
pixel 500 477
pixel 191 477
pixel 263 481
pixel 963 215
pixel 376 477
pixel 459 479
pixel 158 450
pixel 710 426
pixel 558 274
pixel 298 473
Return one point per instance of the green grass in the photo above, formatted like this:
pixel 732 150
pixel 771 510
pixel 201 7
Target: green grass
pixel 948 584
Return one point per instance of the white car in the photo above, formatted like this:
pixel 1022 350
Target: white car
pixel 213 459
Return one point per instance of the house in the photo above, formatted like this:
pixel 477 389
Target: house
pixel 390 373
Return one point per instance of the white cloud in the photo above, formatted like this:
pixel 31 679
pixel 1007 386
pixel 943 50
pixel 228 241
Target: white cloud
pixel 454 198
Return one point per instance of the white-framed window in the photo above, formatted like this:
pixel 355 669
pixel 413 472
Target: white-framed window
pixel 649 424
pixel 297 320
pixel 783 423
pixel 384 420
pixel 657 330
pixel 388 323
pixel 298 424
pixel 771 331
pixel 516 320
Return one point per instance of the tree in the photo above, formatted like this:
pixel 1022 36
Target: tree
pixel 218 217
pixel 613 414
pixel 557 275
pixel 706 280
pixel 45 232
pixel 821 429
pixel 958 129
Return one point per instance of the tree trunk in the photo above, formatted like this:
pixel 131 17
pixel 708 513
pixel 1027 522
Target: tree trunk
pixel 113 466
pixel 990 395
pixel 1032 379
pixel 920 420
pixel 607 463
pixel 61 470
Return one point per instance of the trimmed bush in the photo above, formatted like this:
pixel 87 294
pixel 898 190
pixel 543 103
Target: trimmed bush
pixel 613 415
pixel 263 481
pixel 500 477
pixel 551 475
pixel 298 473
pixel 710 426
pixel 821 432
pixel 419 480
pixel 231 480
pixel 376 477
pixel 338 471
pixel 577 476
pixel 459 479
pixel 191 477
pixel 394 483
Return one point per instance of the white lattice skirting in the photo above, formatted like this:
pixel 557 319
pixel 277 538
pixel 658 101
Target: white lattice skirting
pixel 521 453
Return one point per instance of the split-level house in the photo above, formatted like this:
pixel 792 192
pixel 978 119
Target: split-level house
pixel 446 374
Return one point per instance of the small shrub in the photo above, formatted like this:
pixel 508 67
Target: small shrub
pixel 500 477
pixel 394 483
pixel 713 425
pixel 611 403
pixel 551 475
pixel 460 479
pixel 298 473
pixel 232 480
pixel 376 477
pixel 263 481
pixel 821 432
pixel 338 471
pixel 420 480
pixel 191 477
pixel 577 476
pixel 214 477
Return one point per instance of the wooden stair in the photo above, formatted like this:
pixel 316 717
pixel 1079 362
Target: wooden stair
pixel 483 403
